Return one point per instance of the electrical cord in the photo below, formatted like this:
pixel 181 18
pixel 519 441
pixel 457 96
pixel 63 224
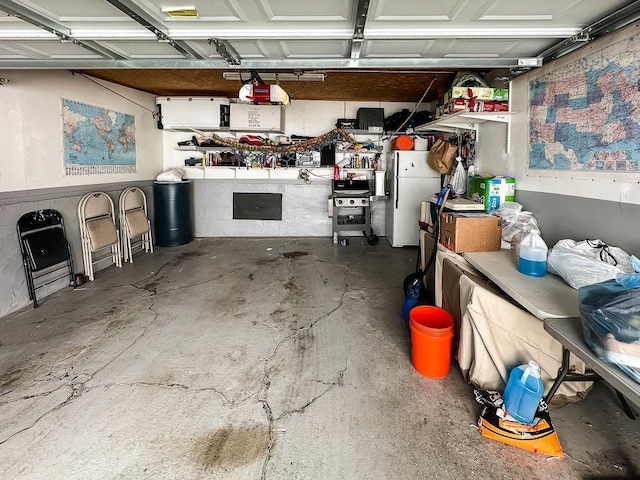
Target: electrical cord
pixel 154 113
pixel 303 174
pixel 442 199
pixel 307 172
pixel 416 107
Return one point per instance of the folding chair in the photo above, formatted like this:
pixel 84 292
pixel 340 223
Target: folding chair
pixel 45 250
pixel 134 222
pixel 98 230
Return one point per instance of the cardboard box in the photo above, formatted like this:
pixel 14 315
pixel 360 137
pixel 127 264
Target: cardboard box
pixel 499 190
pixel 491 191
pixel 461 104
pixel 471 232
pixel 477 187
pixel 456 105
pixel 251 118
pixel 490 106
pixel 479 93
pixel 453 205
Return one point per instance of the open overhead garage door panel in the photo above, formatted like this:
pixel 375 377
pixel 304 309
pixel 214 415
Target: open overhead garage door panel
pixel 117 39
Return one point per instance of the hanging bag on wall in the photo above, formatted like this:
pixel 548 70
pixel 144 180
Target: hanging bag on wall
pixel 441 156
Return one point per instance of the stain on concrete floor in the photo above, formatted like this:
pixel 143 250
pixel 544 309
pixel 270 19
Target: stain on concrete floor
pixel 10 378
pixel 294 255
pixel 232 446
pixel 305 374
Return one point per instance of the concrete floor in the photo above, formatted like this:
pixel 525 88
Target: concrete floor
pixel 259 359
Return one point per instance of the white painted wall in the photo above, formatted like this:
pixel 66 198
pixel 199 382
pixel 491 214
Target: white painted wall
pixel 302 117
pixel 616 187
pixel 31 162
pixel 491 150
pixel 31 128
pixel 304 205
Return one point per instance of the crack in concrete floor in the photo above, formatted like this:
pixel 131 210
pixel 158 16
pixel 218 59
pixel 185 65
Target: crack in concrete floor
pixel 77 389
pixel 263 394
pixel 266 381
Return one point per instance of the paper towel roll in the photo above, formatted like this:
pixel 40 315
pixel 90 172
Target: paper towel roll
pixel 380 190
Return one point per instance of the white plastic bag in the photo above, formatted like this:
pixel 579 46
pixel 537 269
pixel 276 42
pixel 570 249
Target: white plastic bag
pixel 459 182
pixel 587 262
pixel 516 224
pixel 171 175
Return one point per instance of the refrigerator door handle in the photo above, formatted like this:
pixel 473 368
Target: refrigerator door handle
pixel 397 191
pixel 396 175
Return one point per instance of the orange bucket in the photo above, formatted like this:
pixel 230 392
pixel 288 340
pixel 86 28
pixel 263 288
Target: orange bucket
pixel 431 338
pixel 402 142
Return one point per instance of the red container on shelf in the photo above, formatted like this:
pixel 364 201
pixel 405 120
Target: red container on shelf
pixel 402 142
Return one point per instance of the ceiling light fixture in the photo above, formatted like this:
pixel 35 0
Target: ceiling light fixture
pixel 279 77
pixel 144 18
pixel 181 12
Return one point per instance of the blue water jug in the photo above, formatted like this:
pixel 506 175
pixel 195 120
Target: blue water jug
pixel 532 260
pixel 523 393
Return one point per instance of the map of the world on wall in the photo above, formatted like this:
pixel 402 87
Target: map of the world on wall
pixel 97 140
pixel 584 116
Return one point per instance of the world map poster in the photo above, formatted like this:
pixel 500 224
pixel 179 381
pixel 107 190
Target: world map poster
pixel 584 115
pixel 97 140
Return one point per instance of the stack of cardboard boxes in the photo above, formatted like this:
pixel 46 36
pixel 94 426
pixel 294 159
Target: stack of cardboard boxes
pixel 491 191
pixel 474 99
pixel 478 232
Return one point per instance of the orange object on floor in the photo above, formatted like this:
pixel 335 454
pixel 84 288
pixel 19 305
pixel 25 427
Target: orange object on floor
pixel 431 338
pixel 402 142
pixel 538 438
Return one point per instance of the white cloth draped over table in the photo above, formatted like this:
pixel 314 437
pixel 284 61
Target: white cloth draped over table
pixel 495 335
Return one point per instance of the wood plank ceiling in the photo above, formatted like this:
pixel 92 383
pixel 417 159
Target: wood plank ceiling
pixel 376 50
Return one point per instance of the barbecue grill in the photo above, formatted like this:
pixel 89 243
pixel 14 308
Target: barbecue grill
pixel 351 208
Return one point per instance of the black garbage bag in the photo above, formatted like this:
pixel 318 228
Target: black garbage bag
pixel 610 314
pixel 394 122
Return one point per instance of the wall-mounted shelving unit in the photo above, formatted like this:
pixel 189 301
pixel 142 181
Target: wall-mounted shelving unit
pixel 463 121
pixel 363 151
pixel 467 121
pixel 280 173
pixel 194 148
pixel 355 131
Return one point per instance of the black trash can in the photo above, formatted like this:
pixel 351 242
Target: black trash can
pixel 172 205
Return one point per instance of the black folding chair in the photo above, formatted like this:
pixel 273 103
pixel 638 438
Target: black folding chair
pixel 45 250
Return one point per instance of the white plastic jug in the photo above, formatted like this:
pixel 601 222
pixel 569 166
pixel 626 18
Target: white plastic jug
pixel 523 392
pixel 532 260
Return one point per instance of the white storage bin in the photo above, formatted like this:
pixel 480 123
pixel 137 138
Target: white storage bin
pixel 193 112
pixel 420 143
pixel 260 118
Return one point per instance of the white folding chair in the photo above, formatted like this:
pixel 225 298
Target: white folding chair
pixel 98 230
pixel 134 222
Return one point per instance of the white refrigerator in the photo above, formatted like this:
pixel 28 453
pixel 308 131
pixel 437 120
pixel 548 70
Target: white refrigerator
pixel 411 182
